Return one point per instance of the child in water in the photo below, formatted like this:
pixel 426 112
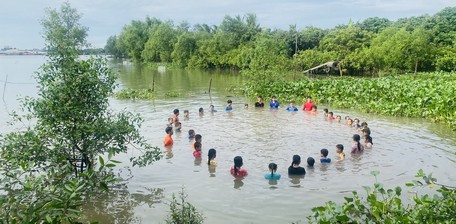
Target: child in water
pixel 324 156
pixel 201 111
pixel 292 107
pixel 177 126
pixel 357 146
pixel 198 139
pixel 274 104
pixel 259 102
pixel 170 122
pixel 356 123
pixel 197 152
pixel 168 139
pixel 236 170
pixel 211 154
pixel 191 134
pixel 229 105
pixel 340 151
pixel 349 122
pixel 310 162
pixel 272 175
pixel 325 112
pixel 314 109
pixel 294 168
pixel 331 116
pixel 308 104
pixel 338 118
pixel 186 114
pixel 368 141
pixel 212 108
pixel 175 115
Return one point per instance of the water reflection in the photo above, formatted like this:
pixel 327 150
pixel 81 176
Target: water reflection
pixel 238 183
pixel 295 180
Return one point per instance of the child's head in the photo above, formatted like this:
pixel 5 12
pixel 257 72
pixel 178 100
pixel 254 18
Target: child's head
pixel 178 125
pixel 310 161
pixel 364 124
pixel 229 102
pixel 211 154
pixel 191 133
pixel 237 164
pixel 246 106
pixel 186 113
pixel 198 138
pixel 349 121
pixel 169 130
pixel 356 121
pixel 314 108
pixel 274 98
pixel 176 112
pixel 211 107
pixel 324 153
pixel 339 148
pixel 356 138
pixel 338 118
pixel 347 117
pixel 197 146
pixel 292 103
pixel 366 131
pixel 325 111
pixel 296 160
pixel 331 114
pixel 260 99
pixel 309 99
pixel 272 168
pixel 201 110
pixel 368 139
pixel 170 121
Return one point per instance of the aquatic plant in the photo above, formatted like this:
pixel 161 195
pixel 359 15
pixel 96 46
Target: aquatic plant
pixel 383 205
pixel 425 95
pixel 141 94
pixel 181 211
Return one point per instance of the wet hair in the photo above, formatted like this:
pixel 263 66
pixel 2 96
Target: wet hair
pixel 314 107
pixel 325 110
pixel 331 113
pixel 211 155
pixel 186 111
pixel 351 121
pixel 347 117
pixel 170 119
pixel 201 110
pixel 296 160
pixel 339 116
pixel 176 111
pixel 177 123
pixel 369 139
pixel 197 145
pixel 260 97
pixel 237 164
pixel 198 137
pixel 364 124
pixel 309 97
pixel 273 97
pixel 191 132
pixel 310 161
pixel 273 168
pixel 367 131
pixel 340 146
pixel 168 130
pixel 357 138
pixel 324 152
pixel 356 119
pixel 292 101
pixel 229 101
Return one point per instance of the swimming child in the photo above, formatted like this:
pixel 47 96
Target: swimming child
pixel 324 156
pixel 201 111
pixel 292 107
pixel 294 168
pixel 273 175
pixel 168 139
pixel 236 170
pixel 346 119
pixel 212 108
pixel 229 105
pixel 338 118
pixel 366 131
pixel 191 134
pixel 211 154
pixel 186 114
pixel 363 125
pixel 310 162
pixel 308 104
pixel 357 146
pixel 274 104
pixel 259 102
pixel 177 126
pixel 197 152
pixel 170 122
pixel 314 109
pixel 246 106
pixel 340 151
pixel 356 123
pixel 331 116
pixel 198 138
pixel 175 115
pixel 368 141
pixel 349 122
pixel 325 112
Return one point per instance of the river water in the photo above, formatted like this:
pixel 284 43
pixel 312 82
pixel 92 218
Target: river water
pixel 401 147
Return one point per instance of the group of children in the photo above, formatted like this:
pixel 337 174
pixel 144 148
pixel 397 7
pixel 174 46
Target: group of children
pixel 295 168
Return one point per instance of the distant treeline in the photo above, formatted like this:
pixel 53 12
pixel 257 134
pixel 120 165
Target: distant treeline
pixel 373 46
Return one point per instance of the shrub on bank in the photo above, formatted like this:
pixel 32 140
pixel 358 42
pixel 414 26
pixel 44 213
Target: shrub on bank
pixel 426 95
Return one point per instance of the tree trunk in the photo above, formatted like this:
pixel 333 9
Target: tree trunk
pixel 416 66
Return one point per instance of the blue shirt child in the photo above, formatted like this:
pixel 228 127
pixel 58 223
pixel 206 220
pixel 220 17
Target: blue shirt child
pixel 274 176
pixel 325 160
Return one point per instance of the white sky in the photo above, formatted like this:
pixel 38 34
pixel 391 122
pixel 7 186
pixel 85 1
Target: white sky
pixel 20 28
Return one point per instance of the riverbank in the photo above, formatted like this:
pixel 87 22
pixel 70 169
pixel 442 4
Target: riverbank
pixel 424 95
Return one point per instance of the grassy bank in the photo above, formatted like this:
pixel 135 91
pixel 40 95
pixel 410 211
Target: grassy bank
pixel 426 95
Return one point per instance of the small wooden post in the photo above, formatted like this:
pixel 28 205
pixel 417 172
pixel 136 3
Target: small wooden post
pixel 210 84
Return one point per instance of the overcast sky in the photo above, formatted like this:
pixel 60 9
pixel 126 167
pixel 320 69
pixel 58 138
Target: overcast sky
pixel 20 28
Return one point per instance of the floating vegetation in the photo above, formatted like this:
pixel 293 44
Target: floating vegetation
pixel 142 94
pixel 173 94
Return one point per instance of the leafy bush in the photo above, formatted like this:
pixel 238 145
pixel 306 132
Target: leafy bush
pixel 386 206
pixel 181 211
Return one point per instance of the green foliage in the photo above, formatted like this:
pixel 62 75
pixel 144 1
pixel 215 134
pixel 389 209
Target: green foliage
pixel 48 167
pixel 427 95
pixel 181 211
pixel 383 205
pixel 141 94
